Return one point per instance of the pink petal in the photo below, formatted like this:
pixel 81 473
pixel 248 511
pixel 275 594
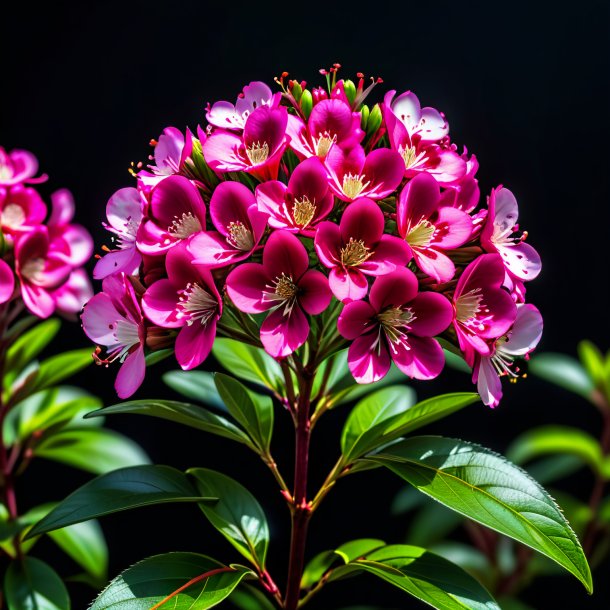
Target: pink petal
pixel 328 243
pixel 347 284
pixel 270 199
pixel 314 293
pixel 454 228
pixel 266 125
pixel 384 169
pixel 362 220
pixel 296 130
pixel 425 359
pixel 131 374
pixel 281 335
pixel 434 263
pixel 211 249
pixel 521 260
pixel 433 314
pixel 62 207
pixel 123 207
pixel 72 296
pixel 488 382
pixel 80 244
pixel 356 318
pixel 168 151
pixel 173 197
pixel 367 360
pixel 407 108
pixel 194 343
pixel 396 288
pixel 432 125
pixel 254 95
pixel 99 316
pixel 127 261
pixel 506 210
pixel 284 253
pixel 450 168
pixel 526 331
pixel 309 179
pixel 417 201
pixel 7 282
pixel 389 253
pixel 159 304
pixel 222 152
pixel 223 114
pixel 230 202
pixel 246 286
pixel 37 300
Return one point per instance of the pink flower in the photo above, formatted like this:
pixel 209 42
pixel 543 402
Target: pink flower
pixel 258 150
pixel 176 212
pixel 330 122
pixel 522 338
pixel 125 211
pixel 171 152
pixel 397 324
pixel 233 116
pixel 301 205
pixel 188 300
pixel 357 247
pixel 520 259
pixel 18 166
pixel 420 137
pixel 429 229
pixel 240 226
pixel 355 174
pixel 73 240
pixel 465 193
pixel 7 282
pixel 283 285
pixel 71 297
pixel 21 209
pixel 40 270
pixel 113 318
pixel 484 311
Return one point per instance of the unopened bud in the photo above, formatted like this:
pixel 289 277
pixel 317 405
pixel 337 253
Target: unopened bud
pixel 364 117
pixel 297 90
pixel 306 103
pixel 375 119
pixel 350 90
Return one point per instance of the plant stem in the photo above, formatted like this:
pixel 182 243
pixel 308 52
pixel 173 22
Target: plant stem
pixel 301 508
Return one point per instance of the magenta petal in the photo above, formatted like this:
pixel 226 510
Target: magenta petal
pixel 406 107
pixel 270 198
pixel 131 374
pixel 153 240
pixel 62 207
pixel 254 95
pixel 222 152
pixel 230 202
pixel 356 318
pixel 389 253
pixel 425 359
pixel 332 117
pixel 396 288
pixel 368 361
pixel 328 243
pixel 168 151
pixel 433 126
pixel 127 261
pixel 433 314
pixel 362 220
pixel 486 270
pixel 488 382
pixel 194 344
pixel 223 114
pixel 526 331
pixel 72 296
pixel 309 179
pixel 246 286
pixel 434 263
pixel 314 293
pixel 266 125
pixel 284 253
pixel 296 130
pixel 99 316
pixel 384 169
pixel 123 207
pixel 37 300
pixel 7 282
pixel 159 304
pixel 417 201
pixel 451 168
pixel 454 228
pixel 173 197
pixel 281 335
pixel 211 249
pixel 80 244
pixel 348 284
pixel 506 210
pixel 341 162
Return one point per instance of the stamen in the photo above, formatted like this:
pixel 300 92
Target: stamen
pixel 239 236
pixel 421 234
pixel 353 185
pixel 303 211
pixel 323 143
pixel 184 226
pixel 395 323
pixel 354 253
pixel 283 292
pixel 196 303
pixel 33 270
pixel 258 153
pixel 12 215
pixel 468 305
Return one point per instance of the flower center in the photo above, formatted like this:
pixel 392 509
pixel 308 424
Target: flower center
pixel 184 225
pixel 285 288
pixel 13 214
pixel 421 234
pixel 283 292
pixel 303 211
pixel 258 153
pixel 354 253
pixel 353 185
pixel 323 143
pixel 6 171
pixel 468 308
pixel 409 156
pixel 33 270
pixel 239 236
pixel 196 303
pixel 395 322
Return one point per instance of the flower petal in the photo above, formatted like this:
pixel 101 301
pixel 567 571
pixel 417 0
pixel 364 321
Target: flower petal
pixel 7 282
pixel 433 314
pixel 526 331
pixel 314 292
pixel 229 203
pixel 348 284
pixel 246 286
pixel 362 220
pixel 284 253
pixel 356 318
pixel 131 374
pixel 418 200
pixel 389 253
pixel 283 334
pixel 159 304
pixel 424 359
pixel 194 343
pixel 488 382
pixel 328 243
pixel 396 288
pixel 368 361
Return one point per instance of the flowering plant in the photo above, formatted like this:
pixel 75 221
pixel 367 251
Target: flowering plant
pixel 321 250
pixel 41 258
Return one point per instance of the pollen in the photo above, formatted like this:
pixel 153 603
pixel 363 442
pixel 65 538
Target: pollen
pixel 354 253
pixel 196 303
pixel 323 143
pixel 303 211
pixel 421 234
pixel 285 288
pixel 469 305
pixel 184 226
pixel 353 185
pixel 240 236
pixel 258 153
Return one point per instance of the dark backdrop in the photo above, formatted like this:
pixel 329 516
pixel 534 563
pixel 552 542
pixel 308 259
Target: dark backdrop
pixel 524 86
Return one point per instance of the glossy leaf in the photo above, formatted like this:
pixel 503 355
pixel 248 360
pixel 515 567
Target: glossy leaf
pixel 196 385
pixel 57 368
pixel 253 411
pixel 550 469
pixel 593 361
pixel 158 356
pixel 563 371
pixel 249 363
pixel 151 580
pixel 31 584
pixel 424 575
pixel 95 450
pixel 456 362
pixel 487 488
pixel 85 543
pixel 182 413
pixel 431 524
pixel 120 490
pixel 547 440
pixel 237 515
pixel 246 597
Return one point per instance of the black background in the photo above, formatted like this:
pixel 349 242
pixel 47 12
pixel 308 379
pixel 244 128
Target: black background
pixel 524 86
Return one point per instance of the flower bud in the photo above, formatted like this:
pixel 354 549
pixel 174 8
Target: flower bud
pixel 374 121
pixel 306 103
pixel 364 117
pixel 297 90
pixel 350 90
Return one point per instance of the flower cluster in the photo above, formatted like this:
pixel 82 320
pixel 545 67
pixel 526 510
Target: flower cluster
pixel 306 212
pixel 41 253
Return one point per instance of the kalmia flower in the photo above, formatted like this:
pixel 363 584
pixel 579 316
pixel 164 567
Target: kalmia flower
pixel 21 209
pixel 301 205
pixel 522 339
pixel 18 166
pixel 286 287
pixel 240 226
pixel 397 324
pixel 430 229
pixel 71 296
pixel 172 149
pixel 357 248
pixel 188 300
pixel 7 282
pixel 113 318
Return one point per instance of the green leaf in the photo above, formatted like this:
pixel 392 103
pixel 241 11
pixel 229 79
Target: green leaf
pixel 182 413
pixel 558 439
pixel 95 450
pixel 564 371
pixel 431 524
pixel 250 363
pixel 237 515
pixel 158 356
pixel 253 411
pixel 55 369
pixel 487 488
pixel 246 597
pixel 120 490
pixel 424 575
pixel 151 580
pixel 196 385
pixel 46 409
pixel 548 470
pixel 456 362
pixel 350 551
pixel 85 543
pixel 593 361
pixel 31 584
